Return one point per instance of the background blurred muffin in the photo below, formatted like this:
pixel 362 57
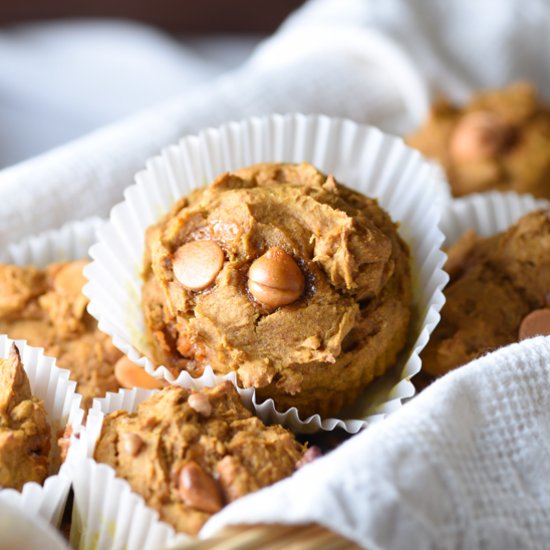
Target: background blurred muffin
pixel 25 433
pixel 500 140
pixel 498 293
pixel 47 309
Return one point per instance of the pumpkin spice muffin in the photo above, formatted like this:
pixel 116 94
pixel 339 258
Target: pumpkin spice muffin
pixel 47 308
pixel 281 274
pixel 500 140
pixel 498 294
pixel 189 453
pixel 24 428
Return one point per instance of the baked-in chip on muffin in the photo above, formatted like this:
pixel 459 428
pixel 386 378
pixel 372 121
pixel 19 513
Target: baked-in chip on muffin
pixel 24 428
pixel 499 140
pixel 283 275
pixel 189 453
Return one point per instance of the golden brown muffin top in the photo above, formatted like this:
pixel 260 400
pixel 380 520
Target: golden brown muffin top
pixel 285 259
pixel 188 453
pixel 24 427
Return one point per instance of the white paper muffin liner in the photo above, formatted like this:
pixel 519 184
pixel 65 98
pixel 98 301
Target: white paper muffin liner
pixel 361 157
pixel 486 213
pixel 106 512
pixel 21 530
pixel 70 242
pixel 62 403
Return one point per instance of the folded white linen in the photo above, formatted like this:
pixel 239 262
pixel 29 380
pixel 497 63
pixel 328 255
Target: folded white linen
pixel 466 464
pixel 60 80
pixel 367 60
pixel 456 46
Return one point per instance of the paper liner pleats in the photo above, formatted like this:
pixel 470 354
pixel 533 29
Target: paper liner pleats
pixel 52 385
pixel 361 157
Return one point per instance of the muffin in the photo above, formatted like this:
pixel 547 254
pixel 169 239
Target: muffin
pixel 24 428
pixel 500 140
pixel 47 308
pixel 190 453
pixel 498 293
pixel 282 275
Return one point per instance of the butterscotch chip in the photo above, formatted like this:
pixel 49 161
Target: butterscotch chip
pixel 312 300
pixel 64 442
pixel 275 279
pixel 70 278
pixel 130 375
pixel 198 490
pixel 479 135
pixel 499 140
pixel 497 294
pixel 131 443
pixel 199 402
pixel 46 308
pixel 536 323
pixel 190 465
pixel 197 263
pixel 312 454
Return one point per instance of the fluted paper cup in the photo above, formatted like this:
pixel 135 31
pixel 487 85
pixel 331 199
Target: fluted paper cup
pixel 70 242
pixel 486 213
pixel 62 403
pixel 106 512
pixel 361 157
pixel 21 530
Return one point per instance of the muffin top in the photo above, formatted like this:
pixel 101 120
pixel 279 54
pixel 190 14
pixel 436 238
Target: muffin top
pixel 500 140
pixel 497 284
pixel 190 453
pixel 266 272
pixel 24 428
pixel 47 308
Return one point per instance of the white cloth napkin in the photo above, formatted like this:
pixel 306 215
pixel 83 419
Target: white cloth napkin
pixel 60 80
pixel 466 464
pixel 368 60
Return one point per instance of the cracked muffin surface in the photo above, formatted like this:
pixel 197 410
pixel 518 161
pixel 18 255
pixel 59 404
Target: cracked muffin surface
pixel 24 428
pixel 298 284
pixel 46 308
pixel 497 284
pixel 189 453
pixel 499 140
